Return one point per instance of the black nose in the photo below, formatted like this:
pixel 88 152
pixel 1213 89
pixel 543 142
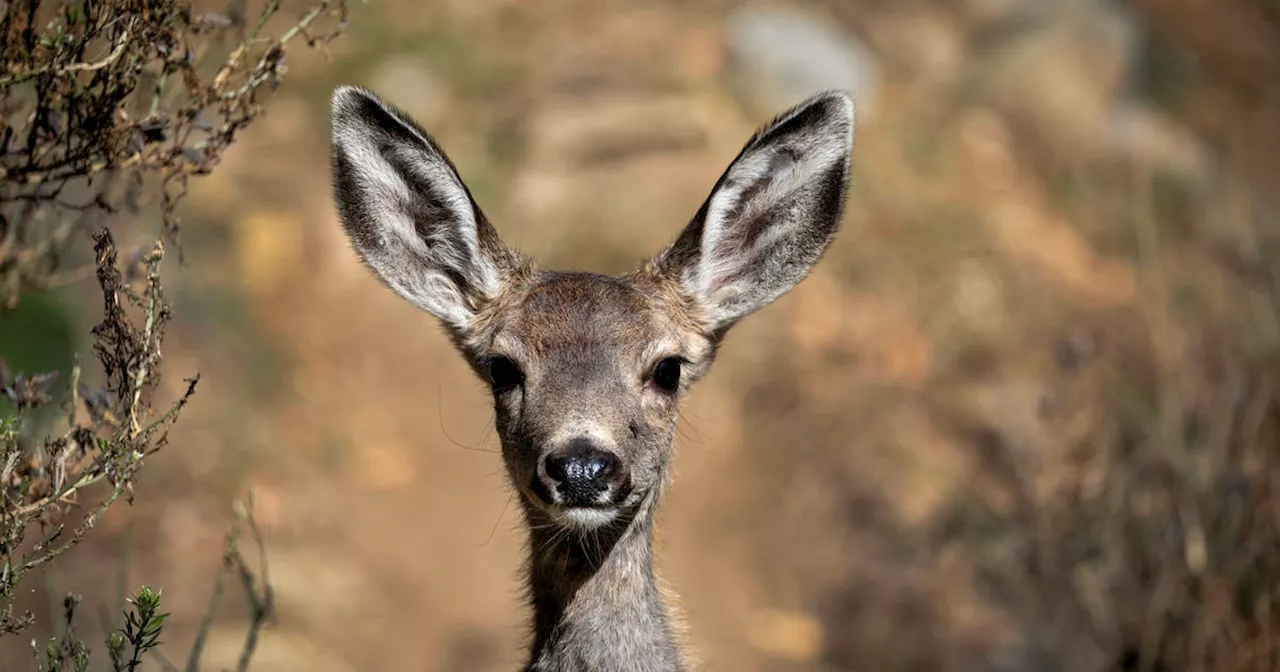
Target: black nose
pixel 581 471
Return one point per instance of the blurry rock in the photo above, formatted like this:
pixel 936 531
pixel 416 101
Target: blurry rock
pixel 411 83
pixel 1066 69
pixel 779 56
pixel 1064 74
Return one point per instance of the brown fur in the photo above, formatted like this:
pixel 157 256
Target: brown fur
pixel 580 351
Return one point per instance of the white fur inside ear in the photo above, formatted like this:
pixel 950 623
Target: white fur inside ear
pixel 782 176
pixel 384 173
pixel 434 293
pixel 771 216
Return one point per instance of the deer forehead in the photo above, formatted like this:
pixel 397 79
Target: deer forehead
pixel 589 319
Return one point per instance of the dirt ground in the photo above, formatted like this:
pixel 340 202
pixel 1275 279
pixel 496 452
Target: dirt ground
pixel 989 231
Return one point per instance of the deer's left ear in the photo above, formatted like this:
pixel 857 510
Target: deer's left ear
pixel 772 214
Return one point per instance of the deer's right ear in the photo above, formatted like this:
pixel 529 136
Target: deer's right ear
pixel 408 213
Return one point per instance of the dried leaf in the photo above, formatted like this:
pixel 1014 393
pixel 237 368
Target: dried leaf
pixel 215 20
pixel 153 129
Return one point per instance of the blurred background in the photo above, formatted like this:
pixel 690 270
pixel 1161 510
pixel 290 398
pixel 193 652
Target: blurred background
pixel 1021 417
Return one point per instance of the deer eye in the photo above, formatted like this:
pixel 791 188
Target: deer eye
pixel 666 374
pixel 503 373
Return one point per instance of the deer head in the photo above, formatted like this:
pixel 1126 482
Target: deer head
pixel 586 370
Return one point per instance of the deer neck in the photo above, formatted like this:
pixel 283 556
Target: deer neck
pixel 596 600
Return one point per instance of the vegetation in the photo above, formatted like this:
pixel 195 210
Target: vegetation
pixel 107 111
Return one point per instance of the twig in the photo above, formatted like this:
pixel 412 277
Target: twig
pixel 219 585
pixel 261 605
pixel 153 303
pixel 72 68
pixel 264 63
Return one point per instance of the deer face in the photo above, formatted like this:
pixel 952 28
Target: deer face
pixel 586 370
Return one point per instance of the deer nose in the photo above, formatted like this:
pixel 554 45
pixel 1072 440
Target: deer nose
pixel 581 471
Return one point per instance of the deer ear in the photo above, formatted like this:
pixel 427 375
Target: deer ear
pixel 772 214
pixel 408 213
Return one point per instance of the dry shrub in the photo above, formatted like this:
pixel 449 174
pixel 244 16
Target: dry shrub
pixel 1139 529
pixel 107 110
pixel 1135 525
pixel 1153 540
pixel 98 100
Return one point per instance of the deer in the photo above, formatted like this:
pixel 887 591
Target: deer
pixel 585 369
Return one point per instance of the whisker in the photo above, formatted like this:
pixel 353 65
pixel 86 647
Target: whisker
pixel 595 541
pixel 500 471
pixel 555 538
pixel 684 424
pixel 445 431
pixel 497 522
